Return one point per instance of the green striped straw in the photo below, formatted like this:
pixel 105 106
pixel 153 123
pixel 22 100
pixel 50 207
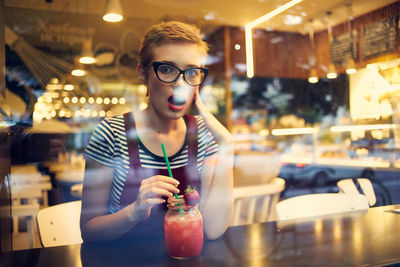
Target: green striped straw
pixel 170 174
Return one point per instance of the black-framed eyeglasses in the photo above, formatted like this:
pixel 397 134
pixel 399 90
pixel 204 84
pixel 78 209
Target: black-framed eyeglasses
pixel 169 73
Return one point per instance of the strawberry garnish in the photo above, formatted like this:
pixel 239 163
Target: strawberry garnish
pixel 191 196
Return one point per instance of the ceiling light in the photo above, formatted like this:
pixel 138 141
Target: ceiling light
pixel 313 78
pixel 351 66
pixel 331 71
pixel 113 11
pixel 249 35
pixel 78 72
pixel 87 53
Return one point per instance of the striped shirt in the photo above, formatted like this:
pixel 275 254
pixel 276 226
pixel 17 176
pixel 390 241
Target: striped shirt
pixel 108 146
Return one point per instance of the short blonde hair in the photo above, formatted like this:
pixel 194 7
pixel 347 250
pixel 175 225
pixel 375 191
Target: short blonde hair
pixel 166 33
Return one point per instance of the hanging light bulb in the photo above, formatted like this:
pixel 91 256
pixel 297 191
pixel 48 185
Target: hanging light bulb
pixel 113 11
pixel 331 71
pixel 351 66
pixel 313 78
pixel 331 67
pixel 78 72
pixel 87 53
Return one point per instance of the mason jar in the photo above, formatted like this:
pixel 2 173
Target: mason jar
pixel 183 231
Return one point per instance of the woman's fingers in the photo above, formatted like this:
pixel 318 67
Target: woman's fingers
pixel 151 192
pixel 161 178
pixel 162 182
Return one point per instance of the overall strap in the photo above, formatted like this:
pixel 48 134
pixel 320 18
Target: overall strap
pixel 193 141
pixel 132 140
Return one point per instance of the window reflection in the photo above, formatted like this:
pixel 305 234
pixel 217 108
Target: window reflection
pixel 310 134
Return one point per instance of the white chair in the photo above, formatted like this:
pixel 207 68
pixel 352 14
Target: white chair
pixel 347 186
pixel 315 205
pixel 29 190
pixel 59 224
pixel 246 198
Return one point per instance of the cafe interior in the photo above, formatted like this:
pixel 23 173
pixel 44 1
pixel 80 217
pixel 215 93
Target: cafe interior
pixel 308 89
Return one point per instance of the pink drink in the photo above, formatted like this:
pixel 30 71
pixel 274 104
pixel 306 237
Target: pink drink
pixel 183 233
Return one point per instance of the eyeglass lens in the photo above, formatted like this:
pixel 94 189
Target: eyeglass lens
pixel 169 73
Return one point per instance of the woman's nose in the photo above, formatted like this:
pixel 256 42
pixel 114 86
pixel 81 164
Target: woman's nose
pixel 180 81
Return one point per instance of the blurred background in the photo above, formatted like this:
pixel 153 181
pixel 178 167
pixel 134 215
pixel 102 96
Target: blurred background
pixel 309 89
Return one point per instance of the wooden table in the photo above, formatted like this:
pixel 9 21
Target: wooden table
pixel 365 239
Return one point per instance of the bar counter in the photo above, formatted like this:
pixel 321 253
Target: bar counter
pixel 369 238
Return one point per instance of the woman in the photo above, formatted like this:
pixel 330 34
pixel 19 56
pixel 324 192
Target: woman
pixel 126 180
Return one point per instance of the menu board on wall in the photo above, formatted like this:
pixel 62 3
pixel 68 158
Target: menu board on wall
pixel 344 46
pixel 379 38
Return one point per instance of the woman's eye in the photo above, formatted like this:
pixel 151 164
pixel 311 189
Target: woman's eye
pixel 192 72
pixel 165 69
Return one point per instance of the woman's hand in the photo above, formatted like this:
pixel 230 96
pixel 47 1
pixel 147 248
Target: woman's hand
pixel 151 192
pixel 220 133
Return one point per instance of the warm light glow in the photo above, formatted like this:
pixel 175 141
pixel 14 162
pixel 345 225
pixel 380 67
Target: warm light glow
pixel 99 100
pixel 249 51
pixel 293 131
pixel 331 75
pixel 331 71
pixel 102 113
pixel 111 17
pixel 86 113
pixel 78 72
pixel 142 106
pixel 122 100
pixel 350 128
pixel 90 100
pixel 82 100
pixel 66 100
pixel 51 86
pixel 114 100
pixel 109 113
pixel 69 87
pixel 351 71
pixel 263 132
pixel 54 80
pixel 106 100
pixel 313 78
pixel 94 113
pixel 237 46
pixel 74 100
pixel 249 37
pixel 87 60
pixel 61 113
pixel 113 11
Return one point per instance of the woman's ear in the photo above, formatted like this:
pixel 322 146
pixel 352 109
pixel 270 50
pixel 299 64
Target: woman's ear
pixel 141 70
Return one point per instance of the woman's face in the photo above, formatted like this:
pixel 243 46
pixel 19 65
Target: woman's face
pixel 173 100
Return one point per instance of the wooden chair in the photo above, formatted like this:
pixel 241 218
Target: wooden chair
pixel 59 224
pixel 247 197
pixel 314 205
pixel 28 194
pixel 348 186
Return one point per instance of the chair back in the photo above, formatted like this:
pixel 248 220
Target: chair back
pixel 256 203
pixel 314 205
pixel 348 186
pixel 59 224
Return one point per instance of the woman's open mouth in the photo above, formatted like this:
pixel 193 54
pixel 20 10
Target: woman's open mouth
pixel 176 103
